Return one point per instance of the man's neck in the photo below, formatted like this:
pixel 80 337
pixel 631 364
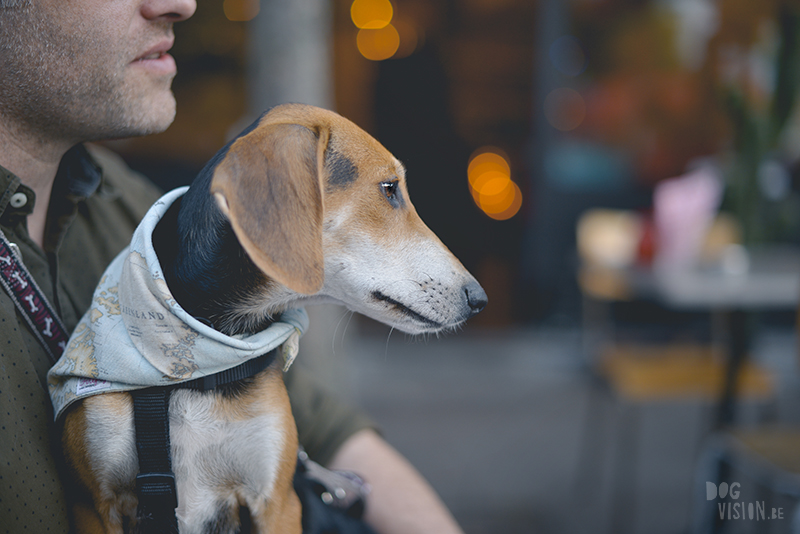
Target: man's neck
pixel 35 161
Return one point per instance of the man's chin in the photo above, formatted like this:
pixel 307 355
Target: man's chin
pixel 145 117
pixel 157 113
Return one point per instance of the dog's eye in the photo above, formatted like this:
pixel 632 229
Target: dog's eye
pixel 391 191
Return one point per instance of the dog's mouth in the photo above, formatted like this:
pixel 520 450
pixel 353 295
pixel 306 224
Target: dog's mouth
pixel 406 311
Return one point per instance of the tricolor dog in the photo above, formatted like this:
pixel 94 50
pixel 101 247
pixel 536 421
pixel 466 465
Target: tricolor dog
pixel 302 207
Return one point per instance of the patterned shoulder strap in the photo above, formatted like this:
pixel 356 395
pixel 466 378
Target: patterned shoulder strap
pixel 30 301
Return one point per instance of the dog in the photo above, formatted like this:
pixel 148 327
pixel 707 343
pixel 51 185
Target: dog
pixel 302 207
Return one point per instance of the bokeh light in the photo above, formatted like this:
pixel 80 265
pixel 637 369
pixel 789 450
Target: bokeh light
pixel 241 10
pixel 371 14
pixel 411 37
pixel 485 160
pixel 564 109
pixel 567 56
pixel 492 188
pixel 508 207
pixel 378 45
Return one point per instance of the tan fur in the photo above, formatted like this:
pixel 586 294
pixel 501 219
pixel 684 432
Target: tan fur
pixel 261 169
pixel 108 498
pixel 101 507
pixel 315 238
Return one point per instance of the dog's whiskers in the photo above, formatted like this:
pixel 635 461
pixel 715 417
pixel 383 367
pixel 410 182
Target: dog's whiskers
pixel 386 350
pixel 336 331
pixel 344 333
pixel 346 313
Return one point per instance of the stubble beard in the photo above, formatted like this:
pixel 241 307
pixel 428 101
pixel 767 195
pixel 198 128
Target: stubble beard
pixel 62 86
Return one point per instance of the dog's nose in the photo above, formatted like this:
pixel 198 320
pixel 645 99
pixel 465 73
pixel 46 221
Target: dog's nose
pixel 476 297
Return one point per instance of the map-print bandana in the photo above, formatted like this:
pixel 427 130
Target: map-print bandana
pixel 135 335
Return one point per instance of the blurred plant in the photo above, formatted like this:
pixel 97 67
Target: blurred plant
pixel 760 109
pixel 646 96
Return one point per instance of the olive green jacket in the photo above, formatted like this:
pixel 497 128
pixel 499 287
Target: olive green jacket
pixel 96 203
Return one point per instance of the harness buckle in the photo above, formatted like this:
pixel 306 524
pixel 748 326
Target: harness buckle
pixel 210 382
pixel 158 485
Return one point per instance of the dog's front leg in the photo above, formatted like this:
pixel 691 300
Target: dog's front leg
pixel 99 447
pixel 280 512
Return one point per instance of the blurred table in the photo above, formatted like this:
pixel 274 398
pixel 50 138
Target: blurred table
pixel 771 283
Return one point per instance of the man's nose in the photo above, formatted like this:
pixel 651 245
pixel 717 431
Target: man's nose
pixel 171 10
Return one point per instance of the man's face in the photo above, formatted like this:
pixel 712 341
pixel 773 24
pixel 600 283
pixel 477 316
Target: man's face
pixel 81 70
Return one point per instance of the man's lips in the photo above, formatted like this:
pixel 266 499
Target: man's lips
pixel 156 59
pixel 157 50
pixel 154 55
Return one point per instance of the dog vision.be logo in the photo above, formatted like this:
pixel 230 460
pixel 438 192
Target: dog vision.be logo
pixel 736 510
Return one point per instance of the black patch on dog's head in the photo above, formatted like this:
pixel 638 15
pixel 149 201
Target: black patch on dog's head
pixel 341 170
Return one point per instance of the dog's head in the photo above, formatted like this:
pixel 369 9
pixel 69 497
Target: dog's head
pixel 322 209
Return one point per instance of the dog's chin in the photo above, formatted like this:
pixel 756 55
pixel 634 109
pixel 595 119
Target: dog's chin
pixel 419 330
pixel 405 318
pixel 409 325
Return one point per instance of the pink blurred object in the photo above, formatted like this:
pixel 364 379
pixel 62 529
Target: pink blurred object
pixel 683 210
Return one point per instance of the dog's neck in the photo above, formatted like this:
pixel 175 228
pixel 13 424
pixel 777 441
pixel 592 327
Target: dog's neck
pixel 207 270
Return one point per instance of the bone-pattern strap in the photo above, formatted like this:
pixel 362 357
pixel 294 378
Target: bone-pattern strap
pixel 31 302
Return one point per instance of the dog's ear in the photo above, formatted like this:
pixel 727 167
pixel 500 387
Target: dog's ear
pixel 269 187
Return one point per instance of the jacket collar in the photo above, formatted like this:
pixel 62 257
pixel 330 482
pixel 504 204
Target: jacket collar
pixel 78 177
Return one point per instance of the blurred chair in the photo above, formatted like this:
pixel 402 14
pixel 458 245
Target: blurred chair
pixel 765 462
pixel 632 375
pixel 767 457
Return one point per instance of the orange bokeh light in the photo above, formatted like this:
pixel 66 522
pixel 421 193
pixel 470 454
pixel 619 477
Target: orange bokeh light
pixel 378 45
pixel 491 186
pixel 485 160
pixel 508 208
pixel 497 195
pixel 410 36
pixel 241 10
pixel 371 14
pixel 491 179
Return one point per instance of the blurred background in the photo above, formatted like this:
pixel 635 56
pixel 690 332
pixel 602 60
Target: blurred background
pixel 622 176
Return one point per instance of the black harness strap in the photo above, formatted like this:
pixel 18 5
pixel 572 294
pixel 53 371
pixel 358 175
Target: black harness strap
pixel 155 483
pixel 245 370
